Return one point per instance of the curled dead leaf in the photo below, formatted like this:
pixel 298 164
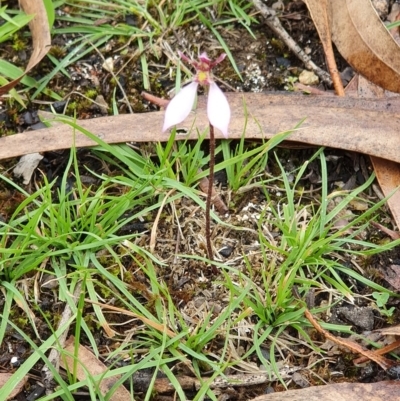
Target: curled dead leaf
pixel 90 366
pixel 41 39
pixel 365 43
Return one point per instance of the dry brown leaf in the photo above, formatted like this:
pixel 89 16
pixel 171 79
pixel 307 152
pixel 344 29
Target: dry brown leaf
pixel 89 365
pixel 345 123
pixel 380 391
pixel 41 39
pixel 4 377
pixel 319 12
pixel 388 174
pixel 365 43
pixel 215 199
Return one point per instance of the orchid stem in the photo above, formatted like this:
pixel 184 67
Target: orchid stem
pixel 209 194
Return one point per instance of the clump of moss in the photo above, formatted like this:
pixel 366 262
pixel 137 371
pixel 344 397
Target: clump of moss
pixel 18 43
pixel 58 51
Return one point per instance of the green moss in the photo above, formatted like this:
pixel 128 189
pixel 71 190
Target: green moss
pixel 91 93
pixel 18 44
pixel 72 106
pixel 58 51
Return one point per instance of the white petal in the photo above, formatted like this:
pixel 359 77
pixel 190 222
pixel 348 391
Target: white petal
pixel 218 110
pixel 180 106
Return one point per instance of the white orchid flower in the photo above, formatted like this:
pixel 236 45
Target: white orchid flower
pixel 218 110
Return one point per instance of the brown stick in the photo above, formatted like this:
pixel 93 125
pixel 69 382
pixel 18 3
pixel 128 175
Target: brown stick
pixel 381 351
pixel 383 362
pixel 319 13
pixel 158 101
pixel 273 23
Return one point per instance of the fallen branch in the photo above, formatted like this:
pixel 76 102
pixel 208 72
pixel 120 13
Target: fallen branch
pixel 275 25
pixel 365 126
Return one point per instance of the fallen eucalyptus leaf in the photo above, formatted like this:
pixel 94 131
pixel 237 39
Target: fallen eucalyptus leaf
pixel 17 389
pixel 88 367
pixel 319 10
pixel 381 391
pixel 365 43
pixel 388 175
pixel 41 39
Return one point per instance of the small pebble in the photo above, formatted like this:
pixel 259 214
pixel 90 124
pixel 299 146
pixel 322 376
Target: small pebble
pixel 394 372
pixel 300 380
pixel 308 78
pixel 14 362
pixel 226 251
pixel 362 318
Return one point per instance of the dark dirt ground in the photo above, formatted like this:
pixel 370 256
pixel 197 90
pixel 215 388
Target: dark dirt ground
pixel 265 65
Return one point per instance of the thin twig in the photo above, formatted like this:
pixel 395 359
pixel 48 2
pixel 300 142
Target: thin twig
pixel 383 362
pixel 380 351
pixel 354 347
pixel 158 101
pixel 273 23
pixel 319 13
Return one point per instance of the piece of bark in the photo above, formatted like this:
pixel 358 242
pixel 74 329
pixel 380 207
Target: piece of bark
pixel 387 390
pixel 26 166
pixel 366 126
